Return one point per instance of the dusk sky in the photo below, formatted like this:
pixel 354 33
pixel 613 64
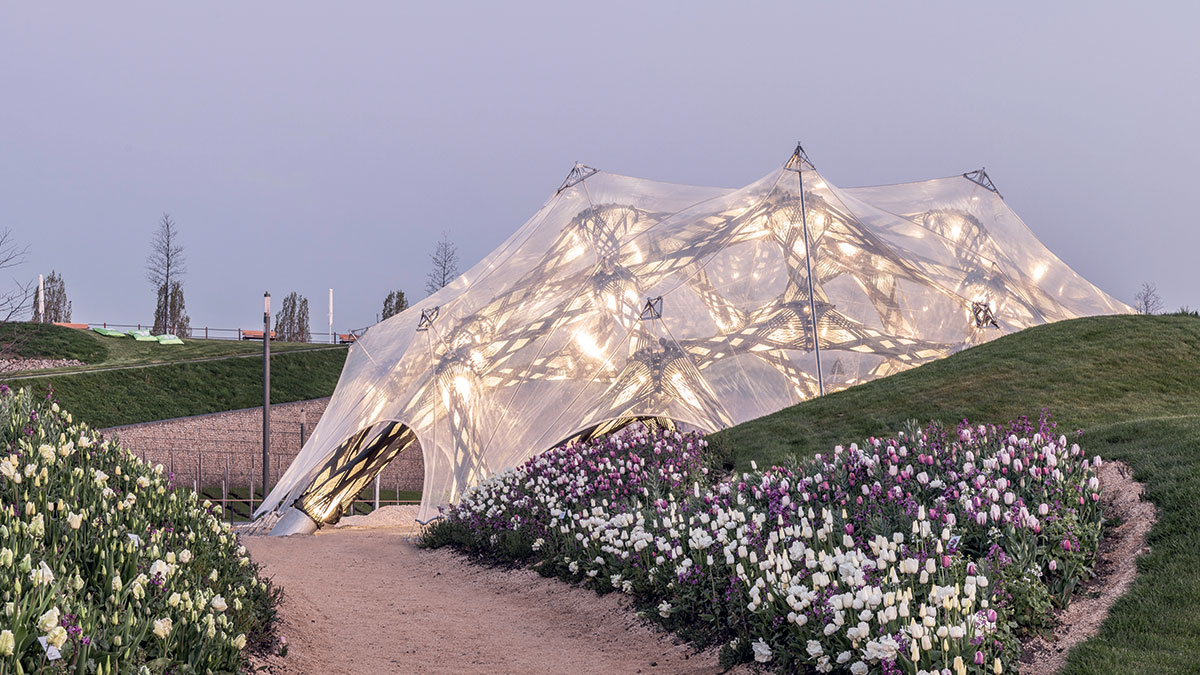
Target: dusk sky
pixel 301 146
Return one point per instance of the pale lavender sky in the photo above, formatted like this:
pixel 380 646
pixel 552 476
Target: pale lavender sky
pixel 303 145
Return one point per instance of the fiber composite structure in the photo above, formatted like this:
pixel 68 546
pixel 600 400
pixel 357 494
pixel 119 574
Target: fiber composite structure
pixel 625 299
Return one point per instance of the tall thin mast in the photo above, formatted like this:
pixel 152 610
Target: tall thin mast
pixel 796 163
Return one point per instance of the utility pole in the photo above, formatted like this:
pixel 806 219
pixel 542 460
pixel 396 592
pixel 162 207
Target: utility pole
pixel 266 447
pixel 332 337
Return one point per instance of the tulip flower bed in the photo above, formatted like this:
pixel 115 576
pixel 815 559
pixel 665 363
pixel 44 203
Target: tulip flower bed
pixel 106 567
pixel 930 552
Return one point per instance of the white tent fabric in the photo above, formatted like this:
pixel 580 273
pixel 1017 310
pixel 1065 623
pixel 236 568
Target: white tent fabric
pixel 624 298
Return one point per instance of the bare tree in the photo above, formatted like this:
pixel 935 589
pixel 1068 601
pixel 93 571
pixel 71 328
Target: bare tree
pixel 291 322
pixel 13 302
pixel 17 299
pixel 165 266
pixel 445 265
pixel 57 306
pixel 393 304
pixel 1147 299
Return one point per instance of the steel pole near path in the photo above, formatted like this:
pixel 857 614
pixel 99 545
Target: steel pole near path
pixel 266 445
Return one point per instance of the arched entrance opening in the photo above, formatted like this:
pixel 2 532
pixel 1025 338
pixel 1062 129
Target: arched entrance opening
pixel 351 467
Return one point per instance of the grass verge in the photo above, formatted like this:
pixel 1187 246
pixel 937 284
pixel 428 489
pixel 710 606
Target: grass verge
pixel 1155 628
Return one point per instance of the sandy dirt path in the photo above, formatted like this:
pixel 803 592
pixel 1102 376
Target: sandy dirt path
pixel 365 599
pixel 371 601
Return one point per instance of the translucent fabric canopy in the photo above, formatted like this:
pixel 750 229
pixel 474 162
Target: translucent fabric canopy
pixel 626 299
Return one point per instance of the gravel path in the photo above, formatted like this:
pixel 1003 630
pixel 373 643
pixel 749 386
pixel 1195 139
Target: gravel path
pixel 21 365
pixel 1115 570
pixel 370 601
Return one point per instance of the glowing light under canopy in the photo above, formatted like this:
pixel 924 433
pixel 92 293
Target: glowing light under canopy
pixel 625 299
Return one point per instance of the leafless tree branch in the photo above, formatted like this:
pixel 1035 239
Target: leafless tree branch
pixel 445 265
pixel 1148 300
pixel 164 267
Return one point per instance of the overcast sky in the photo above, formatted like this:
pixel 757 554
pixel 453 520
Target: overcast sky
pixel 302 146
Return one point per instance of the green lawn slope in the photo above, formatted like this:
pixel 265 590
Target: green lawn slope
pixel 1131 383
pixel 125 382
pixel 107 398
pixel 48 341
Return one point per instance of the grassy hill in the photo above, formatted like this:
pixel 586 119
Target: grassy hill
pixel 47 341
pixel 125 382
pixel 1131 383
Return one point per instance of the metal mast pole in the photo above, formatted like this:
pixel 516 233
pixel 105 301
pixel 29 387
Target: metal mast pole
pixel 801 160
pixel 332 337
pixel 266 444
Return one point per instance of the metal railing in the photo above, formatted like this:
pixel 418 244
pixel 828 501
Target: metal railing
pixel 232 478
pixel 211 333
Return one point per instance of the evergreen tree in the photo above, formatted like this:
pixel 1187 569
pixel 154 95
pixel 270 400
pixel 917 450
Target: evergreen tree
pixel 393 304
pixel 170 313
pixel 291 322
pixel 58 307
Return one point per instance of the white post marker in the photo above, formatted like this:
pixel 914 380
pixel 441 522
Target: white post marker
pixel 266 444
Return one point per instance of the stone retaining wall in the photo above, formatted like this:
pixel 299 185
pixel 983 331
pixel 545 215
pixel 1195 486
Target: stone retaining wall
pixel 228 445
